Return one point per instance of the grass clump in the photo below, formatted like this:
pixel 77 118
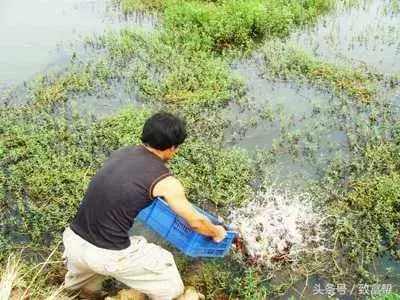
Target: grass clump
pixel 185 61
pixel 50 90
pixel 225 279
pixel 308 10
pixel 369 200
pixel 48 162
pixel 130 6
pixel 2 187
pixel 19 280
pixel 56 91
pixel 227 25
pixel 392 296
pixel 9 277
pixel 283 60
pixel 235 24
pixel 213 175
pixel 166 74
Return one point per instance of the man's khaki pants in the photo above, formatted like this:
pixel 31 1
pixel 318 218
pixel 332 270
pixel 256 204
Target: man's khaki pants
pixel 142 266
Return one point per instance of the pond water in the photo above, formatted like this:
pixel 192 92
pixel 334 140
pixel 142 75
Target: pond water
pixel 367 34
pixel 37 34
pixel 287 100
pixel 285 110
pixel 102 106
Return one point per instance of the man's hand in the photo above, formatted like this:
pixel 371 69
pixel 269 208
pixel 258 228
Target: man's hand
pixel 172 190
pixel 220 234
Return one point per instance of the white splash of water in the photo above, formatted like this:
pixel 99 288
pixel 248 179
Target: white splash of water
pixel 276 223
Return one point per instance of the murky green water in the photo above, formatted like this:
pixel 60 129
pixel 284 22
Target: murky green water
pixel 100 106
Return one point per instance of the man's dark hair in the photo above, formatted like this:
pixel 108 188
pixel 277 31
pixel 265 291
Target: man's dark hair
pixel 163 130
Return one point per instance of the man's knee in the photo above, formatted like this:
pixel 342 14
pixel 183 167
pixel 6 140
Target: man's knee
pixel 175 282
pixel 178 289
pixel 89 281
pixel 169 289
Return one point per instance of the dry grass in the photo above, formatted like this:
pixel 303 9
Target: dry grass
pixel 10 277
pixel 58 294
pixel 13 284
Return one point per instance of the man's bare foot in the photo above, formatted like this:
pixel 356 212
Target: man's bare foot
pixel 191 294
pixel 128 294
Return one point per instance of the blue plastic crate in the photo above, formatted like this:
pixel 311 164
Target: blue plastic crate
pixel 160 217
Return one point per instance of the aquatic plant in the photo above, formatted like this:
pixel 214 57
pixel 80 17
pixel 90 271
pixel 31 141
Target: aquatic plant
pixel 208 25
pixel 289 61
pixel 169 73
pixel 369 200
pixel 46 177
pixel 51 89
pixel 392 296
pixel 211 174
pixel 130 6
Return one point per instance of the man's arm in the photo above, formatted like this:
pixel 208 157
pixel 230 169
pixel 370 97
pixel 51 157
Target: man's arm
pixel 172 191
